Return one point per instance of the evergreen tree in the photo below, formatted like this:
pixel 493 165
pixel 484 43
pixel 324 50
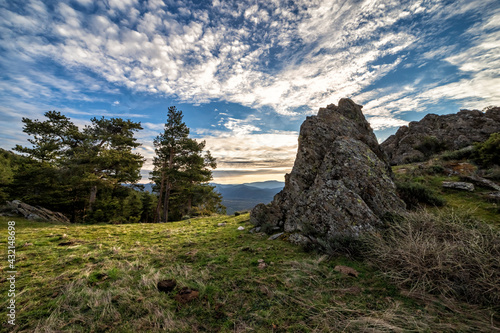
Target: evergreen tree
pixel 98 156
pixel 180 167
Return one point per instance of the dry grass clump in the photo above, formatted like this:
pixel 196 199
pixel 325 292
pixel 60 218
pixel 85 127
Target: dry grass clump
pixel 447 253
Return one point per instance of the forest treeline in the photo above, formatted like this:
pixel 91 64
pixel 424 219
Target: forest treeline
pixel 90 174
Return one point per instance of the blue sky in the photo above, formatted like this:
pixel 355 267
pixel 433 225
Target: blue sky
pixel 245 73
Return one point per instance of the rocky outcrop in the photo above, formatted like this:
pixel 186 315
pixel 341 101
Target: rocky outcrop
pixel 417 141
pixel 340 184
pixel 33 213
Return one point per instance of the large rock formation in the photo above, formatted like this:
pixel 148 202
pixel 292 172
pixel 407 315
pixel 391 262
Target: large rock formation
pixel 450 132
pixel 340 184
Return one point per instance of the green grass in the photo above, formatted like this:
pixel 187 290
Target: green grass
pixel 474 202
pixel 102 278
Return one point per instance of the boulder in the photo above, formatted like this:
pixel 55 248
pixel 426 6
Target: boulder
pixel 459 186
pixel 435 133
pixel 35 213
pixel 340 184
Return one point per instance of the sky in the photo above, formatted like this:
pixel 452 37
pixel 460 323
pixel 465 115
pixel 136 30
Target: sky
pixel 245 73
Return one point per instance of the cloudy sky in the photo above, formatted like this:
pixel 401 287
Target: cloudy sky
pixel 244 73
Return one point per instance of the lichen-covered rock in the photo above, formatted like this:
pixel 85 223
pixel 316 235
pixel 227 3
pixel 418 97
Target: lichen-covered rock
pixel 446 132
pixel 35 213
pixel 340 184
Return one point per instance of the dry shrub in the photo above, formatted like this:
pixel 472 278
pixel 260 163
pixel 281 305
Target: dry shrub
pixel 447 253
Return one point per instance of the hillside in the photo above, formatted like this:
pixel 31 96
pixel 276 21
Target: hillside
pixel 103 278
pixel 433 134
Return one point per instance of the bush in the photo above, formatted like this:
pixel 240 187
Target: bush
pixel 489 150
pixel 461 154
pixel 493 173
pixel 415 194
pixel 449 254
pixel 429 146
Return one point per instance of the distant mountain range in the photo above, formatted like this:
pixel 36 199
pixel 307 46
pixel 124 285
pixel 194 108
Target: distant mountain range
pixel 238 197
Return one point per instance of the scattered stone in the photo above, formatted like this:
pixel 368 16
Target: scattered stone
pixel 340 184
pixel 35 213
pixel 241 228
pixel 262 264
pixel 479 181
pixel 451 132
pixel 221 224
pixel 166 286
pixel 298 239
pixel 275 236
pixel 186 295
pixel 493 196
pixel 459 186
pixel 346 270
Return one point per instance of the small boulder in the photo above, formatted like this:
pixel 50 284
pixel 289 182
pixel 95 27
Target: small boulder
pixel 459 186
pixel 275 236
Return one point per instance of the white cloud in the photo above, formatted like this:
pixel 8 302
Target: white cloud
pixel 289 56
pixel 381 123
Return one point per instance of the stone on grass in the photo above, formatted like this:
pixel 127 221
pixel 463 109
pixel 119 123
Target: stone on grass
pixel 459 186
pixel 275 236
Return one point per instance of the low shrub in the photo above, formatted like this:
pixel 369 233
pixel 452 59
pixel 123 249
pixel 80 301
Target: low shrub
pixel 493 173
pixel 446 253
pixel 430 145
pixel 489 150
pixel 460 154
pixel 415 194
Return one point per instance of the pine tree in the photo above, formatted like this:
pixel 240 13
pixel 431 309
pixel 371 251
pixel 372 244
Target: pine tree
pixel 100 155
pixel 179 166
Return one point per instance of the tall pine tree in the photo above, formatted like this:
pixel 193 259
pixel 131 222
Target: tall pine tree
pixel 181 171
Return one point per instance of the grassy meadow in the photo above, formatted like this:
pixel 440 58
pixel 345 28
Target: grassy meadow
pixel 103 278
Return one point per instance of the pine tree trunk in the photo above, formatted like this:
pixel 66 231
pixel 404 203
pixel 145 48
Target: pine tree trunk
pixel 165 203
pixel 93 195
pixel 158 206
pixel 189 205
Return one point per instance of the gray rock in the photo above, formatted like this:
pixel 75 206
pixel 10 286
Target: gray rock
pixel 340 183
pixel 459 186
pixel 493 196
pixel 450 132
pixel 479 181
pixel 299 239
pixel 35 213
pixel 275 236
